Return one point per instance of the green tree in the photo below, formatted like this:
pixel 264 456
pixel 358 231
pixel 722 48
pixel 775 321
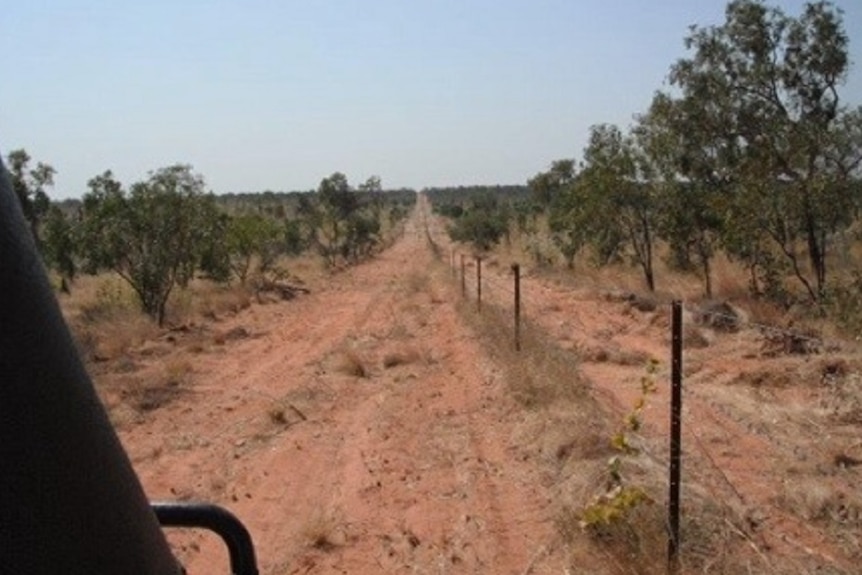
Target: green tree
pixel 345 222
pixel 689 188
pixel 762 96
pixel 250 237
pixel 546 186
pixel 215 256
pixel 553 191
pixel 295 238
pixel 372 185
pixel 154 236
pixel 482 224
pixel 569 221
pixel 335 203
pixel 30 186
pixel 59 246
pixel 621 211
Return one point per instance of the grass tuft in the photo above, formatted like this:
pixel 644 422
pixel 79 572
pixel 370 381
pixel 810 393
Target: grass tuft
pixel 321 532
pixel 350 363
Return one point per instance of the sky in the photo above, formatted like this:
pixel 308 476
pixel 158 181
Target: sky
pixel 276 95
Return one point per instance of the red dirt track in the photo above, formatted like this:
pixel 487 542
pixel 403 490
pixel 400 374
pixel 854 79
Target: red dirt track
pixel 365 429
pixel 405 470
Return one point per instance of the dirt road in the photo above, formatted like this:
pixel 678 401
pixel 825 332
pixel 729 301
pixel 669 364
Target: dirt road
pixel 360 429
pixel 365 428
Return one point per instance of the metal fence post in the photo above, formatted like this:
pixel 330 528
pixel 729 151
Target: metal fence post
pixel 478 283
pixel 516 269
pixel 673 543
pixel 463 278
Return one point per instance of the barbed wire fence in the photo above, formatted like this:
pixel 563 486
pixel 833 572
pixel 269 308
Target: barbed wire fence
pixel 487 281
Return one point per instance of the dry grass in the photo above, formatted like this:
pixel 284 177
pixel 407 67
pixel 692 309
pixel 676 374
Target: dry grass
pixel 816 500
pixel 695 338
pixel 632 544
pixel 540 374
pixel 351 363
pixel 146 395
pixel 208 300
pixel 730 281
pixel 105 319
pixel 277 415
pixel 96 298
pixel 321 531
pixel 178 371
pixel 612 353
pixel 154 394
pixel 149 398
pixel 110 340
pixel 415 283
pixel 571 430
pixel 761 311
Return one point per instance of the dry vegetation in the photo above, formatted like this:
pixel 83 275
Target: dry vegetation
pixel 772 454
pixel 139 367
pixel 570 432
pixel 785 376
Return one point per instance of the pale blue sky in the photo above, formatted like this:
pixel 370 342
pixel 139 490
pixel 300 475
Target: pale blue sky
pixel 276 95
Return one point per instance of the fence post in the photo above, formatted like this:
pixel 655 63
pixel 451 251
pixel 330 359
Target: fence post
pixel 673 542
pixel 516 269
pixel 478 283
pixel 463 278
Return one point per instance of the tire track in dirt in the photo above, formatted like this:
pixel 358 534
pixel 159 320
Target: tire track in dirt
pixel 417 467
pixel 410 469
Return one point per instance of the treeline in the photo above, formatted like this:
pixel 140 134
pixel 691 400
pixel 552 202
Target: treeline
pixel 751 153
pixel 161 232
pixel 481 215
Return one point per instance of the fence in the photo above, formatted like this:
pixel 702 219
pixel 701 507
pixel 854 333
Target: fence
pixel 505 289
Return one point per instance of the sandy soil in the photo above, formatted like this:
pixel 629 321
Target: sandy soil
pixel 364 428
pixel 402 468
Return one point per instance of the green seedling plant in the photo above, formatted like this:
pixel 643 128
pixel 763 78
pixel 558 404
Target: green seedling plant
pixel 619 497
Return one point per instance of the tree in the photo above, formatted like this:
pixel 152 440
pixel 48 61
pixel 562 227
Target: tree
pixel 552 190
pixel 58 245
pixel 481 224
pixel 252 236
pixel 365 229
pixel 345 223
pixel 335 203
pixel 762 103
pixel 689 188
pixel 154 236
pixel 30 185
pixel 295 240
pixel 372 185
pixel 546 186
pixel 619 211
pixel 569 220
pixel 362 234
